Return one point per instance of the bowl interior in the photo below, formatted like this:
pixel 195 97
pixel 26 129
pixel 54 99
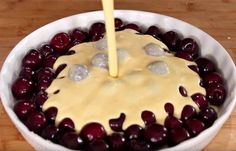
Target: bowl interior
pixel 209 48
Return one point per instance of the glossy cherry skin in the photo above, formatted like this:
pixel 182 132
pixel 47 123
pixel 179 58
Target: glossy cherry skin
pixel 205 66
pixel 98 145
pixel 171 39
pixel 36 122
pixel 188 112
pixel 59 69
pixel 117 123
pixel 194 68
pixel 169 108
pixel 133 26
pixel 50 132
pixel 51 114
pixel 67 125
pixel 189 46
pixel 61 42
pixel 208 116
pixel 134 132
pixel 96 29
pixel 78 36
pixel 148 117
pixel 194 126
pixel 33 59
pixel 172 122
pixel 70 52
pixel 93 131
pixel 43 84
pixel 154 31
pixel 156 135
pixel 49 61
pixel 22 88
pixel 23 109
pixel 119 24
pixel 178 135
pixel 184 55
pixel 117 142
pixel 138 145
pixel 27 72
pixel 183 91
pixel 72 140
pixel 45 73
pixel 96 37
pixel 200 100
pixel 46 50
pixel 216 94
pixel 40 98
pixel 211 79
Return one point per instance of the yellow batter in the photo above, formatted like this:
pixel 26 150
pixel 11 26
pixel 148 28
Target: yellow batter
pixel 100 97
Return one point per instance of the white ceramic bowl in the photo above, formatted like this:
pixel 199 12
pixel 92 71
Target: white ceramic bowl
pixel 209 48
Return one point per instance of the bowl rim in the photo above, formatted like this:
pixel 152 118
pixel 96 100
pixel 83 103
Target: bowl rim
pixel 187 143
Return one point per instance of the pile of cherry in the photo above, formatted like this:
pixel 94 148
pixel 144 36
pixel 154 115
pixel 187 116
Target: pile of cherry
pixel 37 74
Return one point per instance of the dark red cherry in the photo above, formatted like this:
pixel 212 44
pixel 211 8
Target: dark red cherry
pixel 67 125
pixel 211 79
pixel 59 69
pixel 201 83
pixel 70 52
pixel 117 123
pixel 49 61
pixel 93 131
pixel 190 46
pixel 22 88
pixel 183 91
pixel 23 109
pixel 97 29
pixel 156 135
pixel 51 114
pixel 32 59
pixel 172 122
pixel 44 84
pixel 178 135
pixel 169 108
pixel 116 142
pixel 205 66
pixel 49 132
pixel 171 39
pixel 148 117
pixel 208 116
pixel 73 43
pixel 138 145
pixel 46 50
pixel 96 37
pixel 188 112
pixel 78 36
pixel 200 100
pixel 133 26
pixel 72 140
pixel 194 68
pixel 154 31
pixel 61 42
pixel 40 98
pixel 194 126
pixel 216 94
pixel 134 132
pixel 98 145
pixel 184 55
pixel 45 73
pixel 119 25
pixel 26 72
pixel 36 122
